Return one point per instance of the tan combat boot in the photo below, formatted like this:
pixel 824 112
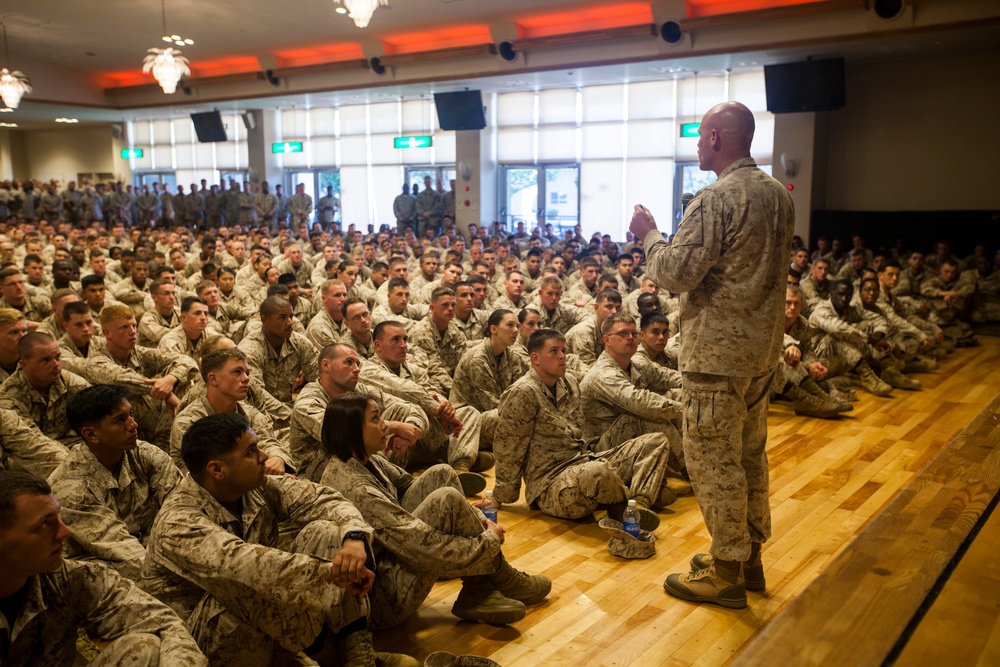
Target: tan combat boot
pixel 812 387
pixel 892 376
pixel 871 382
pixel 480 601
pixel 357 650
pixel 753 568
pixel 808 405
pixel 520 586
pixel 720 583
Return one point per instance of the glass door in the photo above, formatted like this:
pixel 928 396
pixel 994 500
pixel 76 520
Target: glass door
pixel 316 182
pixel 540 194
pixel 441 177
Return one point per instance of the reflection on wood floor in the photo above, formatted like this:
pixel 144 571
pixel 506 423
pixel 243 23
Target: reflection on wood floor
pixel 828 479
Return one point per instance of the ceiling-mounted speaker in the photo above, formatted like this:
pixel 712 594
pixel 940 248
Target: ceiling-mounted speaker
pixel 117 131
pixel 377 66
pixel 248 120
pixel 271 79
pixel 889 9
pixel 507 52
pixel 671 32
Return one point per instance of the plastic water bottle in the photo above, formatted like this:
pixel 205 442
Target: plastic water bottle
pixel 630 519
pixel 489 507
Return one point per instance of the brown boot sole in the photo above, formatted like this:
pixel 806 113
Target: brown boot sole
pixel 736 597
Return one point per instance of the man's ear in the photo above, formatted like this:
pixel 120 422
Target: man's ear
pixel 216 469
pixel 89 434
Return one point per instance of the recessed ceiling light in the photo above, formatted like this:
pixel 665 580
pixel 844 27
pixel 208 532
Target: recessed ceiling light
pixel 341 10
pixel 8 124
pixel 6 110
pixel 67 120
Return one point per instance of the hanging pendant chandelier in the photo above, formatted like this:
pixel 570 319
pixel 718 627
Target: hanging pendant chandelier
pixel 361 10
pixel 13 84
pixel 167 65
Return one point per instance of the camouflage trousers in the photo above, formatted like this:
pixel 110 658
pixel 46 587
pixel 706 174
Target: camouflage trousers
pixel 488 423
pixel 435 498
pixel 437 446
pixel 986 312
pixel 725 432
pixel 629 426
pixel 842 356
pixel 786 374
pixel 231 634
pixel 136 650
pixel 633 469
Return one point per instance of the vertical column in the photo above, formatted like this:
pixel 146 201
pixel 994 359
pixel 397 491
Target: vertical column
pixel 798 160
pixel 264 164
pixel 468 160
pixel 476 184
pixel 6 159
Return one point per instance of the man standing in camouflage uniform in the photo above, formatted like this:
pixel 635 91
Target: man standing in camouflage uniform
pixel 248 213
pixel 428 207
pixel 148 206
pixel 300 206
pixel 728 262
pixel 265 204
pixel 404 207
pixel 327 208
pixel 47 599
pixel 217 557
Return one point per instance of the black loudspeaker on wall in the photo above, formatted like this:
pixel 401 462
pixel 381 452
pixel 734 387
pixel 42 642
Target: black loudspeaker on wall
pixel 377 66
pixel 208 126
pixel 507 51
pixel 671 32
pixel 248 120
pixel 889 9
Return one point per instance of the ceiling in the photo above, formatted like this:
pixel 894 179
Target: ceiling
pixel 101 44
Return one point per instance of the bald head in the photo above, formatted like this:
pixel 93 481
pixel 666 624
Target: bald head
pixel 726 134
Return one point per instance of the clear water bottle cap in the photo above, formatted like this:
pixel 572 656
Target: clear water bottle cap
pixel 489 494
pixel 631 503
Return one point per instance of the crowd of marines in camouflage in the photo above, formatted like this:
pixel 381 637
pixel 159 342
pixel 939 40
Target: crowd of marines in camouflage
pixel 260 438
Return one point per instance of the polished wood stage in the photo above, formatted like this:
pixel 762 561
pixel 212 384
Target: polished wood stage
pixel 829 479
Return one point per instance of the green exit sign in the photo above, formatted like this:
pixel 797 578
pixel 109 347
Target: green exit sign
pixel 689 130
pixel 287 147
pixel 130 153
pixel 411 142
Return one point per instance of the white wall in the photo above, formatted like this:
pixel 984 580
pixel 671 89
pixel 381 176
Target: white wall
pixel 62 153
pixel 917 135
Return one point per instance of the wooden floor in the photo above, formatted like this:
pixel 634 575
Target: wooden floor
pixel 828 479
pixel 962 627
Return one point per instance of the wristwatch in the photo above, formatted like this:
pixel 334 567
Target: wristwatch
pixel 356 535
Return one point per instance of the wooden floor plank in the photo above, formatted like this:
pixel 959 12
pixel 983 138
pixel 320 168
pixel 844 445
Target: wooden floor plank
pixel 872 590
pixel 829 479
